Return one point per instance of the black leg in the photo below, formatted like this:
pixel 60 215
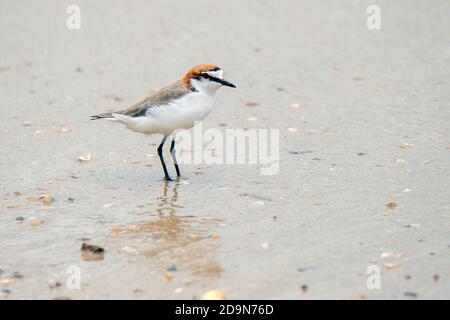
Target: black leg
pixel 172 152
pixel 161 157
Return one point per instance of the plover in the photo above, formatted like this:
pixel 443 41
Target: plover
pixel 176 106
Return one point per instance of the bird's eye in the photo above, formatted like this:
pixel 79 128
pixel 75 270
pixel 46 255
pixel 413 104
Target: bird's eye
pixel 205 75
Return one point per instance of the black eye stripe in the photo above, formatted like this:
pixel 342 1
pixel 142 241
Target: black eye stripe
pixel 209 77
pixel 206 76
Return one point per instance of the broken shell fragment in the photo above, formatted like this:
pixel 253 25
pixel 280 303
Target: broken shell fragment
pixel 168 276
pixel 213 295
pixel 46 199
pixel 116 229
pixel 390 266
pixel 36 223
pixel 391 205
pixel 85 158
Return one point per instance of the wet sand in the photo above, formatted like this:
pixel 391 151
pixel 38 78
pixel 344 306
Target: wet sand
pixel 364 156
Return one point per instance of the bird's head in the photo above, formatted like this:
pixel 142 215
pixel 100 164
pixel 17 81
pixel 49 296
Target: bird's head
pixel 205 77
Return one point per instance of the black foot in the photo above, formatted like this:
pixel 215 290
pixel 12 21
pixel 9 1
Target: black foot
pixel 167 178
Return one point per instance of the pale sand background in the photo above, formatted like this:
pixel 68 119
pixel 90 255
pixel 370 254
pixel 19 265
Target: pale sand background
pixel 364 92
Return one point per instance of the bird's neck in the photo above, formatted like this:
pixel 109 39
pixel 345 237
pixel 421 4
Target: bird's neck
pixel 205 88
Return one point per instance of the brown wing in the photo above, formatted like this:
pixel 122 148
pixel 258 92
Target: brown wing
pixel 163 96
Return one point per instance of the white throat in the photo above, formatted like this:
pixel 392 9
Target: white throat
pixel 207 86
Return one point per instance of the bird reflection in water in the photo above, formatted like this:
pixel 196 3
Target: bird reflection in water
pixel 180 241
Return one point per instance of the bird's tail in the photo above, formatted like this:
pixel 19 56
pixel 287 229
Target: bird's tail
pixel 107 115
pixel 123 118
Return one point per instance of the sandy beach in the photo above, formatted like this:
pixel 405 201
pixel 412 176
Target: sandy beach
pixel 364 152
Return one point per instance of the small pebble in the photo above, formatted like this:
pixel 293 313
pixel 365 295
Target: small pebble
pixel 36 223
pixel 116 229
pixel 46 199
pixel 6 282
pixel 391 205
pixel 169 276
pixel 172 268
pixel 215 236
pixel 52 284
pixel 405 145
pixel 410 294
pixel 265 246
pixel 4 293
pixel 92 248
pixel 258 204
pixel 64 129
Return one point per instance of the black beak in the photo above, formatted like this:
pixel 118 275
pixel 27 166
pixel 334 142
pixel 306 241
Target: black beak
pixel 224 82
pixel 218 80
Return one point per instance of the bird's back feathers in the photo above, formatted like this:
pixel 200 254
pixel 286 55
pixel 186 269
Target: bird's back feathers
pixel 163 96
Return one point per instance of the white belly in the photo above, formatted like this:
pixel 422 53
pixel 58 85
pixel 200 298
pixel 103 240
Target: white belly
pixel 180 114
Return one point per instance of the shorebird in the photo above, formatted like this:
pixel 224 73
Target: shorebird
pixel 176 106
